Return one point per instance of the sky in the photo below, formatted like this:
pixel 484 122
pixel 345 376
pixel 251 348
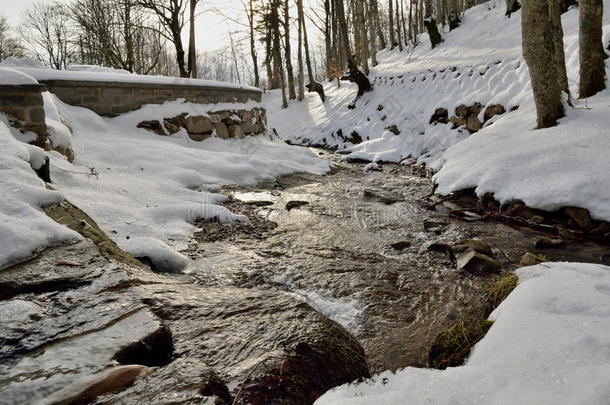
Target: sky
pixel 212 29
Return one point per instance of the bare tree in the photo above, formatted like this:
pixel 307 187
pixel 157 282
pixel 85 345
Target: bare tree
pixel 288 51
pixel 591 49
pixel 170 14
pixel 9 45
pixel 47 34
pixel 192 61
pixel 539 53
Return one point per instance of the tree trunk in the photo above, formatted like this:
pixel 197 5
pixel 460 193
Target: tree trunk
pixel 301 94
pixel 397 22
pixel 431 26
pixel 560 59
pixel 277 52
pixel 539 53
pixel 391 22
pixel 192 49
pixel 355 75
pixel 373 32
pixel 253 45
pixel 592 55
pixel 382 44
pixel 363 36
pixel 287 49
pixel 313 84
pixel 513 6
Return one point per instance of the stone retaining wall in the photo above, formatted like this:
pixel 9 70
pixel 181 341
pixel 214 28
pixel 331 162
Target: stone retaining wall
pixel 24 103
pixel 114 98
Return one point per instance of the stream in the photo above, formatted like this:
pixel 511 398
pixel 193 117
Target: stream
pixel 250 320
pixel 354 245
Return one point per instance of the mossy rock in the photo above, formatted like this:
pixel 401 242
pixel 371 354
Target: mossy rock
pixel 452 347
pixel 500 290
pixel 76 219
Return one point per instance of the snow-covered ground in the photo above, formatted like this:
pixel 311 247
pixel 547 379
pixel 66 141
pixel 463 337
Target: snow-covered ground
pixel 478 62
pixel 24 228
pixel 146 190
pixel 550 344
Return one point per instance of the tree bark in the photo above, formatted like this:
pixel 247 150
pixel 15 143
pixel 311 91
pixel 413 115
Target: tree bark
pixel 277 51
pixel 539 53
pixel 591 48
pixel 301 93
pixel 391 22
pixel 560 59
pixel 431 26
pixel 288 52
pixel 192 63
pixel 253 54
pixel 512 6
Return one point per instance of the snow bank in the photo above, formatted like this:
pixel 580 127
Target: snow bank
pixel 96 69
pixel 104 75
pixel 13 77
pixel 567 165
pixel 24 228
pixel 59 134
pixel 146 190
pixel 549 345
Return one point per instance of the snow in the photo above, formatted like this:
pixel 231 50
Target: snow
pixel 16 62
pixel 481 62
pixel 550 344
pixel 24 228
pixel 96 69
pixel 146 191
pixel 97 74
pixel 59 134
pixel 12 77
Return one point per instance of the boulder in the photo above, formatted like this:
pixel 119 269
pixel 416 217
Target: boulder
pixel 493 110
pixel 473 244
pixel 393 129
pixel 440 116
pixel 461 111
pixel 473 124
pixel 545 243
pixel 221 130
pixel 580 216
pixel 89 388
pixel 236 131
pixel 198 124
pixel 457 122
pixel 184 381
pixel 531 259
pixel 474 262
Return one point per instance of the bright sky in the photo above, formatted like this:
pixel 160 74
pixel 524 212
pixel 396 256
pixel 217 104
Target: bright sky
pixel 212 30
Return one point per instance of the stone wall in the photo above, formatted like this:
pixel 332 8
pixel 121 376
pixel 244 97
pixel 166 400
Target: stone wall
pixel 112 98
pixel 236 123
pixel 24 103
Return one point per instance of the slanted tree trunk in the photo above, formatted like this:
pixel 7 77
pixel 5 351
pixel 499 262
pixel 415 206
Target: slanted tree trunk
pixel 592 55
pixel 431 26
pixel 513 6
pixel 355 75
pixel 539 53
pixel 560 59
pixel 288 52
